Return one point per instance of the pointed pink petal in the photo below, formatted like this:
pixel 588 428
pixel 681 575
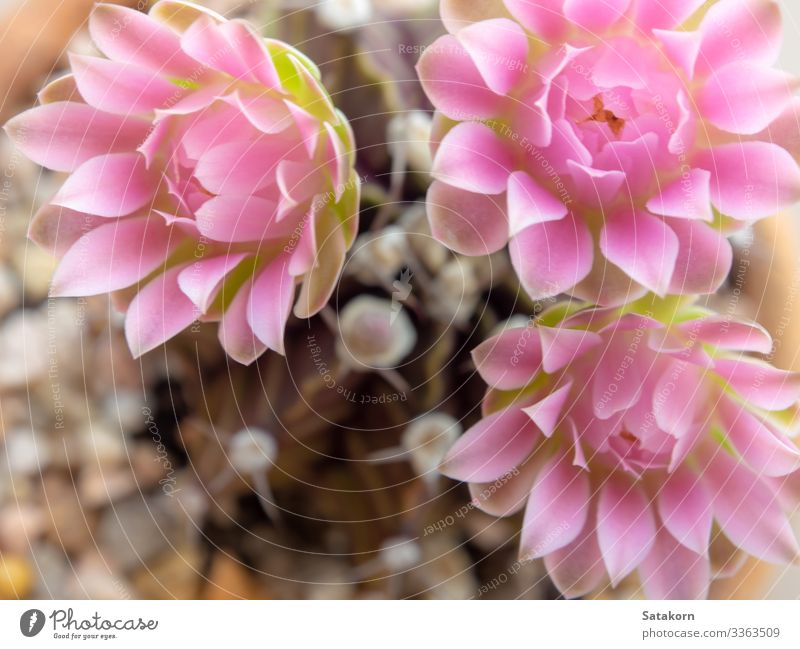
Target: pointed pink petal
pixel 271 303
pixel 203 278
pixel 529 203
pixel 759 383
pixel 562 346
pixel 557 508
pixel 63 135
pixel 685 507
pixel 239 218
pixel 472 157
pixel 616 388
pixel 268 114
pixel 492 447
pixel 235 334
pixel 506 496
pixel 743 98
pixel 130 36
pixel 113 256
pixel 111 185
pixel 672 571
pixel 676 397
pixel 499 49
pixel 510 359
pixel 56 229
pixel 751 180
pixel 157 313
pixel 748 511
pixel 240 167
pixel 548 413
pixel 704 258
pixel 643 246
pixel 595 16
pixel 470 224
pixel 681 48
pixel 739 30
pixel 724 333
pixel 552 257
pixel 577 568
pixel 122 88
pixel 625 527
pixel 761 448
pixel 688 197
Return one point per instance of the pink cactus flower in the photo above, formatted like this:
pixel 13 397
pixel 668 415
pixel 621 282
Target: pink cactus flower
pixel 634 442
pixel 612 144
pixel 209 174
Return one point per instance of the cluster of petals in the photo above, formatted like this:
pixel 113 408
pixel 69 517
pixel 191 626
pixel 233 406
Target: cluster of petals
pixel 636 443
pixel 611 144
pixel 210 174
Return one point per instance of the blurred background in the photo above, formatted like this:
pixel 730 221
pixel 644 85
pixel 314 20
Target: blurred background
pixel 184 475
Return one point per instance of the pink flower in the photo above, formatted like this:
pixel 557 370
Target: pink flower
pixel 210 173
pixel 604 140
pixel 635 442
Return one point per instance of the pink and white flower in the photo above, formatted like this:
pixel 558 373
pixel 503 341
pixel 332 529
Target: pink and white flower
pixel 209 174
pixel 632 443
pixel 612 144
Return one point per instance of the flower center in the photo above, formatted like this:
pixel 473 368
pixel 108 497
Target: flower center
pixel 603 115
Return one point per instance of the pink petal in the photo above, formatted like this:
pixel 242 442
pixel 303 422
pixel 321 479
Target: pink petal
pixel 157 313
pixel 739 30
pixel 235 334
pixel 595 186
pixel 664 14
pixel 616 388
pixel 529 203
pixel 239 218
pixel 203 278
pixel 240 167
pixel 763 450
pixel 643 246
pixel 63 135
pixel 552 257
pixel 271 303
pixel 595 15
pixel 685 507
pixel 510 359
pixel 561 346
pixel 492 447
pixel 785 129
pixel 759 383
pixel 743 98
pixel 681 48
pixel 470 224
pixel 129 36
pixel 577 568
pixel 704 259
pixel 748 511
pixel 676 397
pixel 56 229
pixel 724 333
pixel 548 413
pixel 472 157
pixel 557 508
pixel 499 49
pixel 113 256
pixel 542 17
pixel 215 45
pixel 506 496
pixel 625 527
pixel 671 571
pixel 122 88
pixel 688 197
pixel 111 185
